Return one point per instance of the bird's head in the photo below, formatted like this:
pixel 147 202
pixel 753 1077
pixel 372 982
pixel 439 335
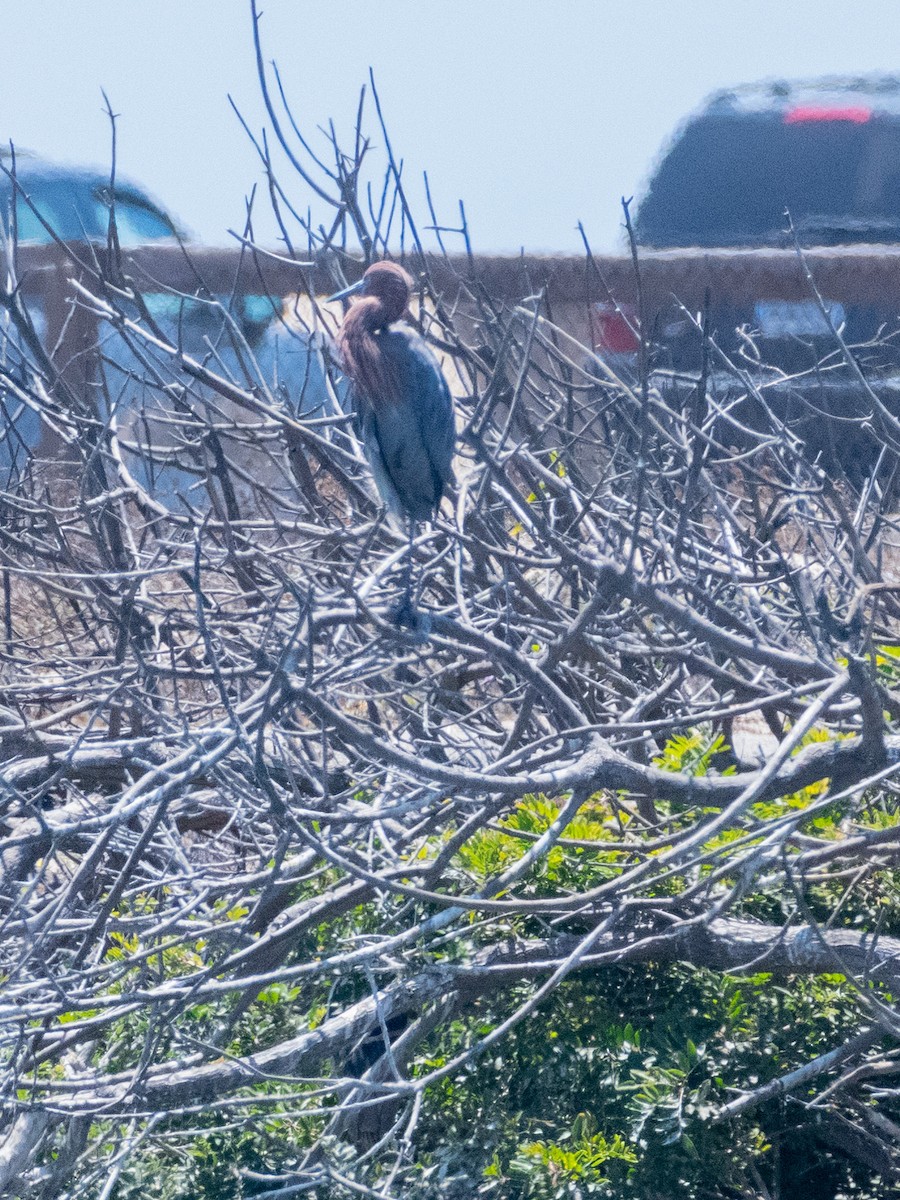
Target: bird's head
pixel 387 283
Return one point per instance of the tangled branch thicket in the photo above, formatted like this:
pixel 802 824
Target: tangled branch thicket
pixel 280 883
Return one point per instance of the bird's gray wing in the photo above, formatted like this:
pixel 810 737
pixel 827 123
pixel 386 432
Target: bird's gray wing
pixel 416 434
pixel 420 378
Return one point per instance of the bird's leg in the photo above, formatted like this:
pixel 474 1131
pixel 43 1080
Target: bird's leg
pixel 410 564
pixel 405 614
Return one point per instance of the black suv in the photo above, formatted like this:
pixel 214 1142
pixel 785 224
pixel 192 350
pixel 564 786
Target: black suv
pixel 825 151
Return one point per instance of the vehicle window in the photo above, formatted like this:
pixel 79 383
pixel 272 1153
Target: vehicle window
pixel 76 208
pixel 138 223
pixel 28 226
pixel 728 180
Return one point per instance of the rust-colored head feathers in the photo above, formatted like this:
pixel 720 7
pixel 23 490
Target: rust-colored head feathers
pixel 390 286
pixel 384 297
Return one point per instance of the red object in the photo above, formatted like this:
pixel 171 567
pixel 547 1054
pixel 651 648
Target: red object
pixel 614 328
pixel 859 115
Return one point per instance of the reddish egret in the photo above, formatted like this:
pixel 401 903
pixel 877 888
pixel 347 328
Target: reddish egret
pixel 404 412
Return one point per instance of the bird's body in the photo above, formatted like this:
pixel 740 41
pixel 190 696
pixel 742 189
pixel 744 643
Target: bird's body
pixel 402 404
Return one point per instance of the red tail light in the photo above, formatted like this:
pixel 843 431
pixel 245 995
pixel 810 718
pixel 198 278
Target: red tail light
pixel 795 116
pixel 614 328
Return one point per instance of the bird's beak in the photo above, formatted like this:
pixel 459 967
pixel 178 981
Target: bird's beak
pixel 348 291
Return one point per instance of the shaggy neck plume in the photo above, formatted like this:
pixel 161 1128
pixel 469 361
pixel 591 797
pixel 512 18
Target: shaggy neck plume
pixel 384 300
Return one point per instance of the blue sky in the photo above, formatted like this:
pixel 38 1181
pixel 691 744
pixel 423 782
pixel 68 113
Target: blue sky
pixel 537 114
